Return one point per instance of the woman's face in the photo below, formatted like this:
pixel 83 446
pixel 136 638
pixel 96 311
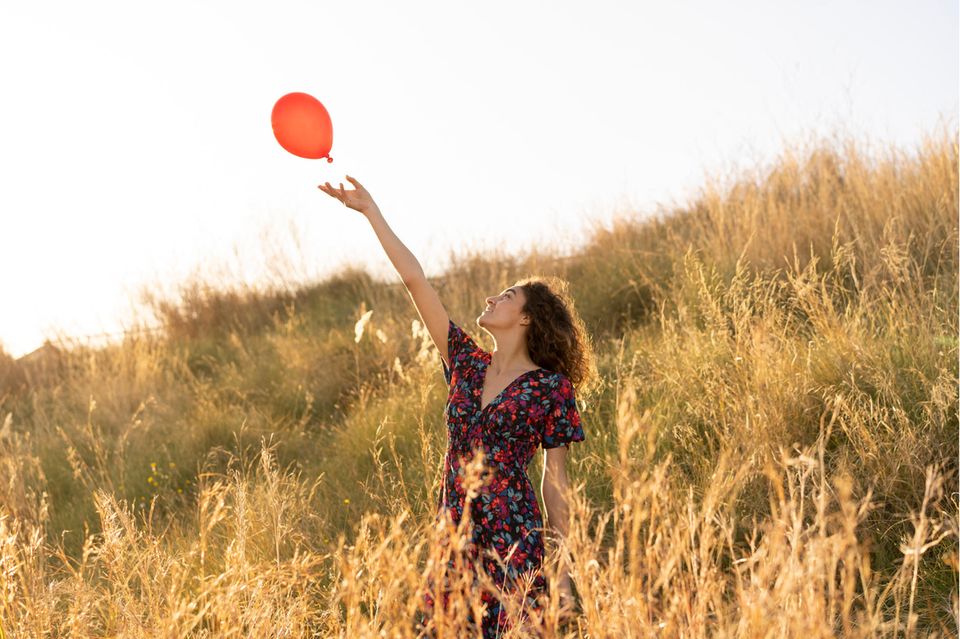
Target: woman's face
pixel 503 310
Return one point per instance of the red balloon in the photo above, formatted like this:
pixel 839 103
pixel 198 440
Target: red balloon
pixel 302 126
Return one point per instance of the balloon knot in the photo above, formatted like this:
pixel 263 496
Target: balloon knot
pixel 329 159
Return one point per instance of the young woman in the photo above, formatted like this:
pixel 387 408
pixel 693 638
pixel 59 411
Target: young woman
pixel 504 403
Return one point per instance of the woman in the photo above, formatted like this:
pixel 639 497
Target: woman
pixel 505 404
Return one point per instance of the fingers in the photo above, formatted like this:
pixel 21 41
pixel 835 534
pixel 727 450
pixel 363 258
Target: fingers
pixel 341 193
pixel 329 190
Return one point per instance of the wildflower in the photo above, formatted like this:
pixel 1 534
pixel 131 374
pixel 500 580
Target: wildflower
pixel 346 500
pixel 180 490
pixel 150 479
pixel 172 465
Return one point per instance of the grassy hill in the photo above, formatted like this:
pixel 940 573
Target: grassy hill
pixel 772 449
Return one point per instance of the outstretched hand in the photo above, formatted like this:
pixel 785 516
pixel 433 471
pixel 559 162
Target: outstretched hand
pixel 359 199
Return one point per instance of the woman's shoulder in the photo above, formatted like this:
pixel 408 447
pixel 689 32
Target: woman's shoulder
pixel 458 333
pixel 556 380
pixel 462 347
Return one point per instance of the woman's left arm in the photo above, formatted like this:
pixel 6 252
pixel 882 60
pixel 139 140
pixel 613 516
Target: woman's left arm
pixel 554 488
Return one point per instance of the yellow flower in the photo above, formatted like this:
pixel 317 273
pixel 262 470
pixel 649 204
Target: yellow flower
pixel 346 500
pixel 172 465
pixel 150 479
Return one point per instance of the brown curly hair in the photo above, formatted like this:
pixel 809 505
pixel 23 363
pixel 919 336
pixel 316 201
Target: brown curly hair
pixel 557 339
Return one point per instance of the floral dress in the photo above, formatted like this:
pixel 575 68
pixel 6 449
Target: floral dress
pixel 537 408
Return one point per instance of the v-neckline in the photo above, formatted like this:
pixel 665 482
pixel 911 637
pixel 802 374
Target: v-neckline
pixel 483 380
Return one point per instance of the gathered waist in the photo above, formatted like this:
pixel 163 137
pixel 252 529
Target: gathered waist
pixel 511 465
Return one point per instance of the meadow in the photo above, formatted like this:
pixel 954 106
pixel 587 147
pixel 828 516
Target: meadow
pixel 771 449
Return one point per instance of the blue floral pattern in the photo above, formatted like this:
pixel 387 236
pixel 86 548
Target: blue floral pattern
pixel 538 408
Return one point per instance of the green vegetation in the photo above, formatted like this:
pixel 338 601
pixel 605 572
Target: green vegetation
pixel 794 328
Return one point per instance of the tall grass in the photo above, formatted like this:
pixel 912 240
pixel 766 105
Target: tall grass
pixel 772 452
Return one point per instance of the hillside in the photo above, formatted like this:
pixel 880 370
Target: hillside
pixel 775 434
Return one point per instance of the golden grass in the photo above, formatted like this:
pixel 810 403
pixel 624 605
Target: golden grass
pixel 772 452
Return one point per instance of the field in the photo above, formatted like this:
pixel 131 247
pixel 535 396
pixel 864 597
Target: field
pixel 771 448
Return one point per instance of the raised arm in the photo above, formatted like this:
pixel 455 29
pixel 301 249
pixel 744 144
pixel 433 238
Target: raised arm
pixel 425 298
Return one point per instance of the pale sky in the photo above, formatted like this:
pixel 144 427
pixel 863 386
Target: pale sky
pixel 135 138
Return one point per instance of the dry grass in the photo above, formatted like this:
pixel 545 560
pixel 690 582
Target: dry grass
pixel 773 451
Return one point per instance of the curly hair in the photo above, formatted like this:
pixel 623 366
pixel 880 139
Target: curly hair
pixel 557 339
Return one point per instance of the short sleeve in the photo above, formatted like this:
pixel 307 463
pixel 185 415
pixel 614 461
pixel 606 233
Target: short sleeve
pixel 561 425
pixel 461 348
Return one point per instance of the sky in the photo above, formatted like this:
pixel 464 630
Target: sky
pixel 136 148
